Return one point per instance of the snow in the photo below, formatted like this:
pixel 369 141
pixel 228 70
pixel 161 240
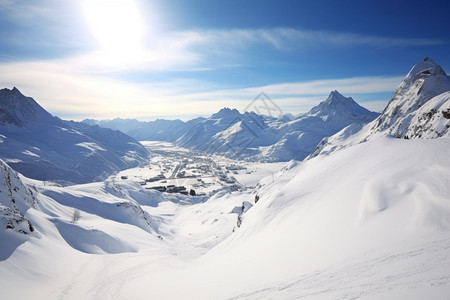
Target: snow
pixel 90 146
pixel 28 152
pixel 12 160
pixel 429 121
pixel 352 224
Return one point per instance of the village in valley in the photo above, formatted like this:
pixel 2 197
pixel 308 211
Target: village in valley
pixel 173 169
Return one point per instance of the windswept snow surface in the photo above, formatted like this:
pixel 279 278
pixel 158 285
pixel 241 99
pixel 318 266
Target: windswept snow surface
pixel 371 221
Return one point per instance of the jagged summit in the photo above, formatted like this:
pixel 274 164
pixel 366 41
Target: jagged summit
pixel 226 111
pixel 336 99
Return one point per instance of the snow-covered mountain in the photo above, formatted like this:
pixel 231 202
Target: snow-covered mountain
pixel 298 138
pixel 250 136
pixel 419 108
pixel 44 147
pixel 228 132
pixel 253 137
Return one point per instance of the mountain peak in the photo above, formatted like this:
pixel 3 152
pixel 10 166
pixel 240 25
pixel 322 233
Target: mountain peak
pixel 19 110
pixel 423 69
pixel 226 111
pixel 336 102
pixel 423 82
pixel 336 98
pixel 16 90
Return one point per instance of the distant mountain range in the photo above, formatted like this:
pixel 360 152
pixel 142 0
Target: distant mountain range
pixel 44 147
pixel 248 135
pixel 419 108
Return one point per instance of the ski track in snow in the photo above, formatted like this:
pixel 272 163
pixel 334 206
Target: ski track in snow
pixel 363 277
pixel 76 279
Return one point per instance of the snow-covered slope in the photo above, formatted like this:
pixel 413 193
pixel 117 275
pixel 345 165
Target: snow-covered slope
pixel 419 108
pixel 44 147
pixel 371 221
pixel 93 218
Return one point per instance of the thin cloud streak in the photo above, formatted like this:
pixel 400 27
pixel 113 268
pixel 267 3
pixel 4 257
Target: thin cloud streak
pixel 290 38
pixel 208 48
pixel 72 95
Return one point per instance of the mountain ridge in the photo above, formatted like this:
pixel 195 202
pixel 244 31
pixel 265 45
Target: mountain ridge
pixel 44 147
pixel 17 109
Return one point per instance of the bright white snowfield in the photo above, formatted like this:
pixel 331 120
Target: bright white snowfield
pixel 371 221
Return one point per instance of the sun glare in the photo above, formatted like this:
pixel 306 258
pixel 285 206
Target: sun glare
pixel 117 25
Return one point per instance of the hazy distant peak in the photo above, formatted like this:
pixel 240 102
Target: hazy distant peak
pixel 226 112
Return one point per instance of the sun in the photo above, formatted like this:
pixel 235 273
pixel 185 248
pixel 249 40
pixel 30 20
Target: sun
pixel 117 26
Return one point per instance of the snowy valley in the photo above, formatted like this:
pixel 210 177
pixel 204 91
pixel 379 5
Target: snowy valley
pixel 338 203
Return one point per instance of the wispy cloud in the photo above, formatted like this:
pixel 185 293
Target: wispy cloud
pixel 77 95
pixel 290 38
pixel 212 49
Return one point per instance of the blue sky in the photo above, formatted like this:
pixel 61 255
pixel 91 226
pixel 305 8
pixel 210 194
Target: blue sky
pixel 180 59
